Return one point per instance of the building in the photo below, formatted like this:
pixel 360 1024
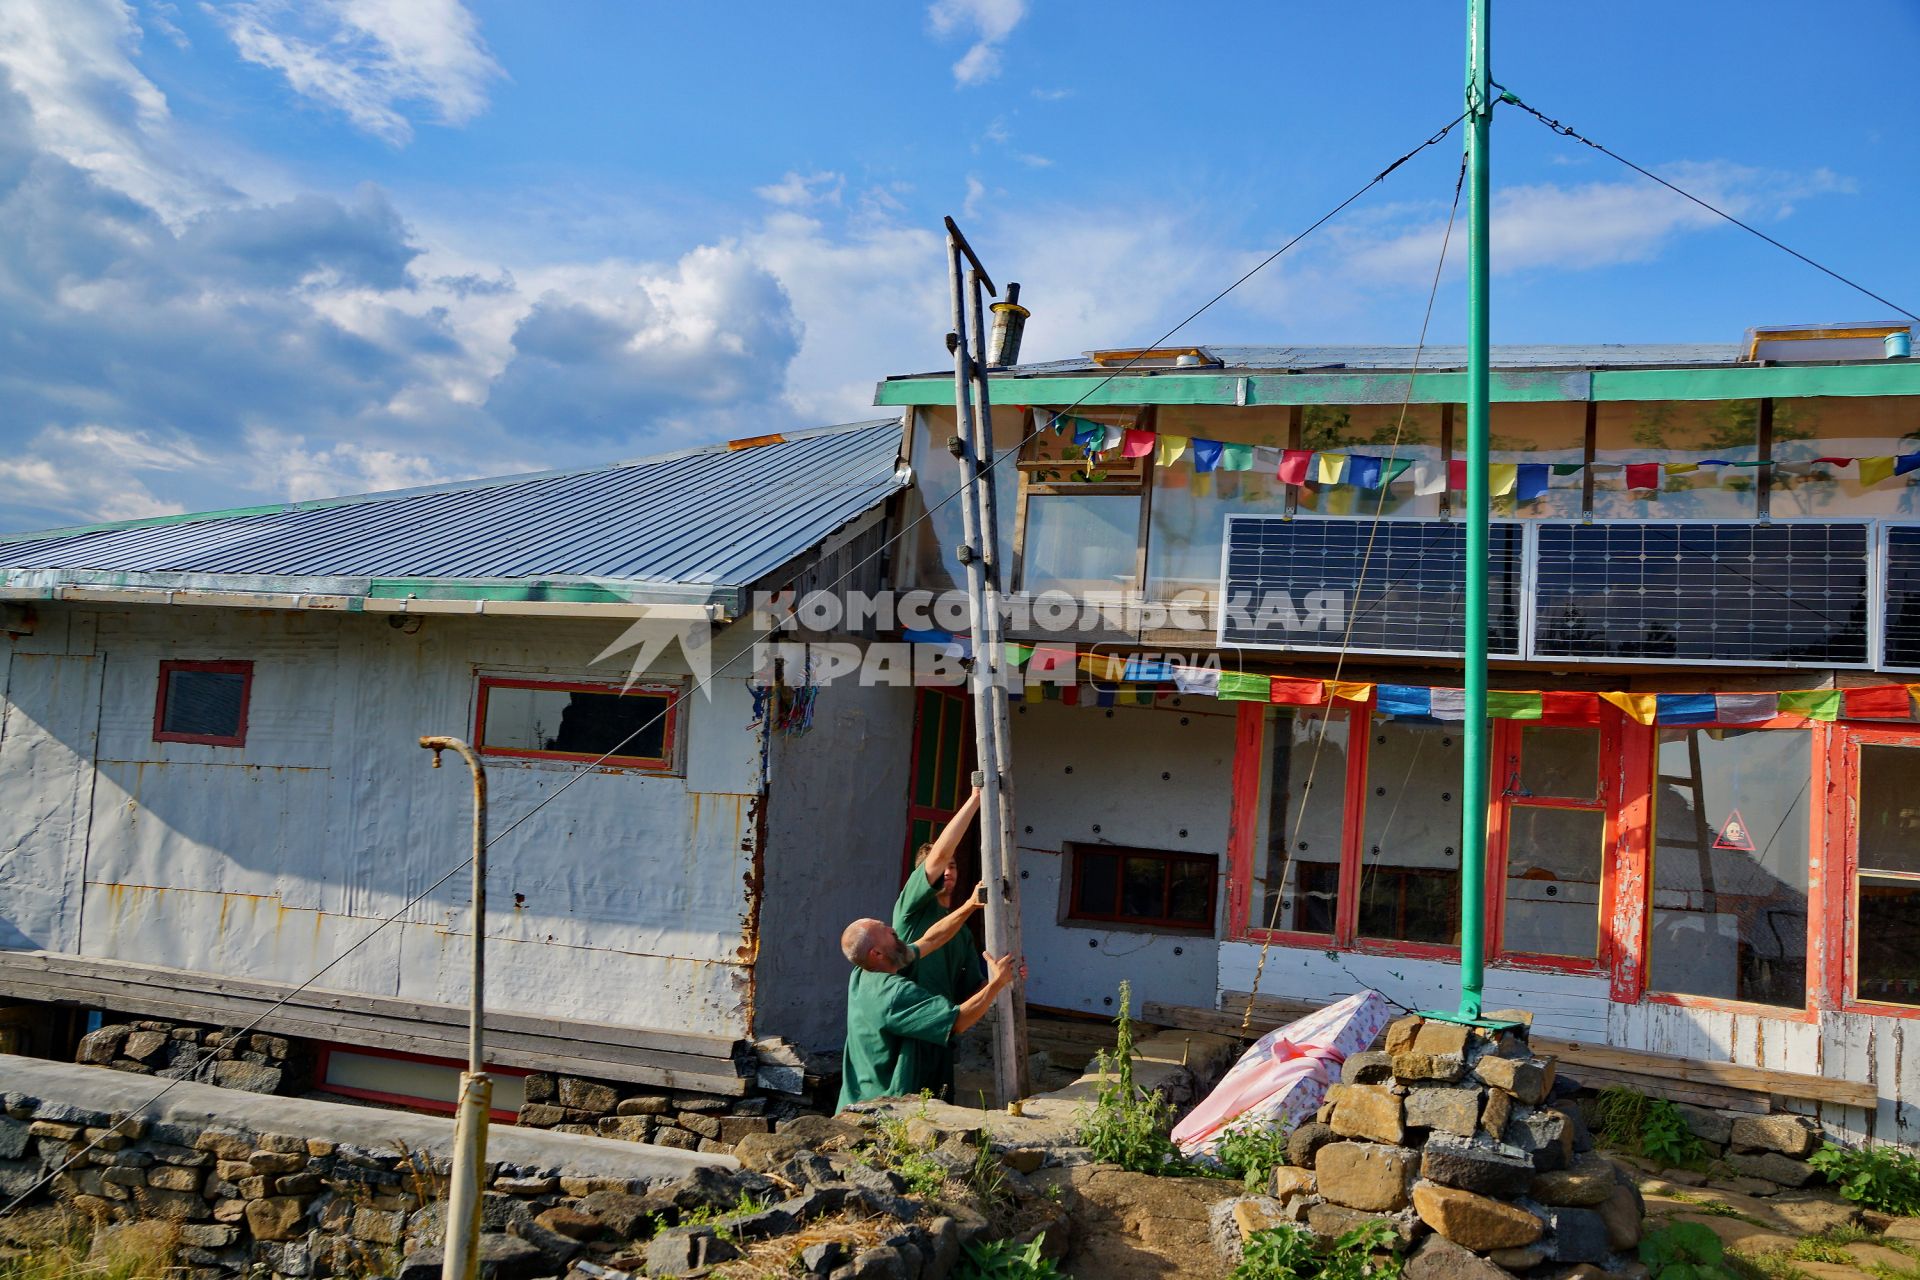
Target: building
pixel 1706 606
pixel 212 789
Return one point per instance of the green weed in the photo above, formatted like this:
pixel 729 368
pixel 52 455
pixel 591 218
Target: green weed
pixel 1652 1127
pixel 1129 1125
pixel 1289 1253
pixel 1878 1178
pixel 1252 1151
pixel 1686 1251
pixel 1006 1260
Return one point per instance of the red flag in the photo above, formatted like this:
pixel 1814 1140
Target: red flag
pixel 1878 702
pixel 1643 475
pixel 1136 443
pixel 1294 464
pixel 1457 474
pixel 1570 708
pixel 1298 693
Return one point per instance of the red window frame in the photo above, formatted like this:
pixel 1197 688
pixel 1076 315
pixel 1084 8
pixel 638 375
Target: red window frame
pixel 411 1101
pixel 239 666
pixel 1841 917
pixel 666 762
pixel 1168 858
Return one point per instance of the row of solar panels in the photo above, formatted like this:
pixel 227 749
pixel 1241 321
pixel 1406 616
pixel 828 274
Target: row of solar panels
pixel 1799 593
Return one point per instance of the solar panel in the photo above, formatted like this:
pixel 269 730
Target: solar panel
pixel 1901 624
pixel 1787 593
pixel 1298 584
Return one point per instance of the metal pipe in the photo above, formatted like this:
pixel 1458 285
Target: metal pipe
pixel 460 1259
pixel 1473 786
pixel 1003 912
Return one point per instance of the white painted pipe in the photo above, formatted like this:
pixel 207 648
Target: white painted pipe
pixel 460 1259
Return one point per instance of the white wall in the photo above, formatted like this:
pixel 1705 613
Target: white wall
pixel 622 900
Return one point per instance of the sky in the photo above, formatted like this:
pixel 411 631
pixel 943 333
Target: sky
pixel 261 250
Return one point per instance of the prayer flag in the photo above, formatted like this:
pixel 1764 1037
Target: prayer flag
pixel 1036 693
pixel 1297 693
pixel 1570 708
pixel 1238 686
pixel 1396 467
pixel 1834 461
pixel 1112 436
pixel 1643 475
pixel 1206 455
pixel 1457 475
pixel 1513 704
pixel 1448 704
pixel 1685 708
pixel 1880 702
pixel 1057 664
pixel 1148 669
pixel 1351 690
pixel 1532 482
pixel 1171 447
pixel 1906 462
pixel 1745 708
pixel 1204 680
pixel 1293 465
pixel 1017 654
pixel 1875 469
pixel 1236 457
pixel 1501 477
pixel 1103 697
pixel 1136 443
pixel 1104 666
pixel 1405 700
pixel 1266 459
pixel 1679 468
pixel 1363 471
pixel 1566 475
pixel 1814 704
pixel 1640 707
pixel 1332 467
pixel 1070 695
pixel 1088 435
pixel 1429 478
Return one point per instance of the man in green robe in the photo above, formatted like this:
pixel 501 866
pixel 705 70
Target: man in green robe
pixel 896 1028
pixel 930 892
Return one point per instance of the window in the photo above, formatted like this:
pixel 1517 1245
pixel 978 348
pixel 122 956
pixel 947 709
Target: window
pixel 1150 887
pixel 204 702
pixel 1080 518
pixel 1301 893
pixel 1410 848
pixel 560 720
pixel 1887 969
pixel 412 1081
pixel 1555 825
pixel 1732 828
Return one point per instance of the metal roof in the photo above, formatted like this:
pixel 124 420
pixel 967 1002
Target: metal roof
pixel 1278 358
pixel 713 519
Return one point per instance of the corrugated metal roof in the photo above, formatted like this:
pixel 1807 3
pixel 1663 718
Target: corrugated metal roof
pixel 1589 356
pixel 712 517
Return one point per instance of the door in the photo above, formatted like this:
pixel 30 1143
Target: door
pixel 943 764
pixel 1880 872
pixel 51 720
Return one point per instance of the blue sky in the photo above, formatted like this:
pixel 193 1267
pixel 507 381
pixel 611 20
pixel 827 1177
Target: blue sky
pixel 261 249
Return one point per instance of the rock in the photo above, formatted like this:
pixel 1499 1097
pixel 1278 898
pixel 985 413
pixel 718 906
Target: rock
pixel 882 1262
pixel 1589 1181
pixel 142 1045
pixel 13 1138
pixel 203 1235
pixel 174 1178
pixel 1365 1175
pixel 762 1225
pixel 1812 1212
pixel 627 1216
pixel 1522 1259
pixel 526 1186
pixel 501 1257
pixel 1401 1033
pixel 763 1152
pixel 676 1138
pixel 1707 1124
pixel 1414 1065
pixel 1439 1258
pixel 272 1162
pixel 1477 1165
pixel 1369 1111
pixel 251 1077
pixel 1905 1230
pixel 1579 1235
pixel 571 1223
pixel 1622 1213
pixel 102 1046
pixel 819 1259
pixel 1302 1144
pixel 943 1249
pixel 1773 1166
pixel 1024 1159
pixel 1475 1221
pixel 179 1206
pixel 646 1104
pixel 297 1184
pixel 1371 1067
pixel 685 1250
pixel 275 1217
pixel 1288 1182
pixel 584 1095
pixel 381 1226
pixel 1543 1134
pixel 1736 1233
pixel 734 1128
pixel 718 1189
pixel 1878 1258
pixel 1495 1112
pixel 626 1128
pixel 1255 1214
pixel 1331 1221
pixel 822 1133
pixel 555 1249
pixel 1450 1110
pixel 542 1115
pixel 1789 1135
pixel 1441 1039
pixel 1527 1079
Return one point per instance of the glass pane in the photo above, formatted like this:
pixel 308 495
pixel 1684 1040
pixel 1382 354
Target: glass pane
pixel 1191 898
pixel 1099 884
pixel 1370 429
pixel 1889 940
pixel 1143 888
pixel 1559 762
pixel 1730 864
pixel 631 725
pixel 1662 431
pixel 1302 895
pixel 1546 433
pixel 1081 542
pixel 1889 808
pixel 1553 881
pixel 927 774
pixel 204 703
pixel 1849 427
pixel 952 752
pixel 936 476
pixel 1410 857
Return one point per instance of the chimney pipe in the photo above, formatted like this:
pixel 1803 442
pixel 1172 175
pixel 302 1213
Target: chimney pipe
pixel 1009 323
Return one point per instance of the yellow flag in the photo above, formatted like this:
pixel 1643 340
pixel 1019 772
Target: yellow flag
pixel 1500 478
pixel 1331 467
pixel 1874 470
pixel 1681 468
pixel 1640 706
pixel 1171 447
pixel 1351 690
pixel 1104 666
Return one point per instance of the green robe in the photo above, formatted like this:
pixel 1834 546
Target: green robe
pixel 953 971
pixel 897 1032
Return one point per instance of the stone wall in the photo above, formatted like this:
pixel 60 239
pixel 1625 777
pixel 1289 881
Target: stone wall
pixel 253 1061
pixel 667 1118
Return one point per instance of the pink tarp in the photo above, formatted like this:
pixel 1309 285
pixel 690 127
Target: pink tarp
pixel 1283 1078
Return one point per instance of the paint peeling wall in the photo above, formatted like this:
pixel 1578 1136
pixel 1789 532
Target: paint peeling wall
pixel 625 900
pixel 836 831
pixel 1092 775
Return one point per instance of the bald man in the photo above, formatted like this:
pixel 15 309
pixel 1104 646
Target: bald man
pixel 896 1028
pixel 932 889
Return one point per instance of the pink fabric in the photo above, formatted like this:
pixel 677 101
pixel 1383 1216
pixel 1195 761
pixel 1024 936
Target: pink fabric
pixel 1285 1075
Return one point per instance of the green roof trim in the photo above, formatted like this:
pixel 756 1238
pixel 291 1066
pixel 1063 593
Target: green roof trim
pixel 1511 386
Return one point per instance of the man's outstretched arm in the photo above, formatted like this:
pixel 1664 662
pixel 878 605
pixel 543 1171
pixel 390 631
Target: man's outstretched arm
pixel 947 843
pixel 1000 973
pixel 947 926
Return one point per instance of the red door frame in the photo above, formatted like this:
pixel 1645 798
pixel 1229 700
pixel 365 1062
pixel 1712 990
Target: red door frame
pixel 924 697
pixel 1841 912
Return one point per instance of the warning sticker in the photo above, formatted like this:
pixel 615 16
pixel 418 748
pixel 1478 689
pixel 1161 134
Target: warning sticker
pixel 1734 834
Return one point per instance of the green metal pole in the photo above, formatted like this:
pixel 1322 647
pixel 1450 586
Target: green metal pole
pixel 1473 787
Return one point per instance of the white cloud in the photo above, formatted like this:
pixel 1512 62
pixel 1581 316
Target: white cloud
pixel 797 190
pixel 92 472
pixel 371 60
pixel 990 22
pixel 1052 95
pixel 976 194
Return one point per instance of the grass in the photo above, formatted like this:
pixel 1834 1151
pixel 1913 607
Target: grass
pixel 136 1251
pixel 1830 1245
pixel 1717 1208
pixel 1763 1266
pixel 894 1148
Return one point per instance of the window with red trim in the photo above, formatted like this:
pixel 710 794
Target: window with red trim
pixel 583 721
pixel 1155 888
pixel 1887 874
pixel 1553 817
pixel 203 702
